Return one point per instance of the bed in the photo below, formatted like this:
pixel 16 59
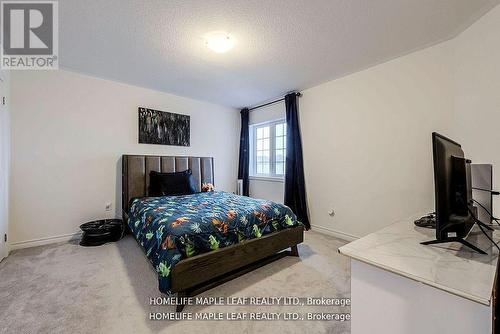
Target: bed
pixel 198 241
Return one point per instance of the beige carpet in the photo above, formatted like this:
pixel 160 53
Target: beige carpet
pixel 65 288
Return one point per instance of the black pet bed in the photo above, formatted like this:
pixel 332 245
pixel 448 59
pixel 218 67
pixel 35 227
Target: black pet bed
pixel 99 232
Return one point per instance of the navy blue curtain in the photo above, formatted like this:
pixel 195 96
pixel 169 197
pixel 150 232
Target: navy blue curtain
pixel 244 151
pixel 295 188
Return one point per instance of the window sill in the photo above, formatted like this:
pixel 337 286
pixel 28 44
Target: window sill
pixel 267 178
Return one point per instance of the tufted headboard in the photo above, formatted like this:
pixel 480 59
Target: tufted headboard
pixel 136 168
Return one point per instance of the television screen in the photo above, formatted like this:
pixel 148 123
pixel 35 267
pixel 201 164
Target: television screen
pixel 453 189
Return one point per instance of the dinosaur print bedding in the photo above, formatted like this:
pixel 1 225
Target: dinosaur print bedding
pixel 171 228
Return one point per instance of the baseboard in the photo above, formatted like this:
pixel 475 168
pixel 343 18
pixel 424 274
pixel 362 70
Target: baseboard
pixel 77 235
pixel 44 241
pixel 334 233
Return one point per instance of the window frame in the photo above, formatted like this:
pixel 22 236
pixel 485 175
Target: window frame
pixel 272 176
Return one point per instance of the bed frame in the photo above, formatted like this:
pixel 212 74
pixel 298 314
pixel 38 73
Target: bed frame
pixel 199 273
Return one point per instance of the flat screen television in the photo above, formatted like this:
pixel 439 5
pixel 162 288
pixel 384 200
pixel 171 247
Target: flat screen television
pixel 453 192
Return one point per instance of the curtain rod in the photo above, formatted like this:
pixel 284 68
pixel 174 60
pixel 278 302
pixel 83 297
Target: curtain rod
pixel 298 94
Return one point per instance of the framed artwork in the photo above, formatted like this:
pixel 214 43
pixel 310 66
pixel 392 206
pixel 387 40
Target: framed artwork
pixel 163 128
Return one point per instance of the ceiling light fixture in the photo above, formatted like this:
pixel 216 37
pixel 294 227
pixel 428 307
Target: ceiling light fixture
pixel 219 41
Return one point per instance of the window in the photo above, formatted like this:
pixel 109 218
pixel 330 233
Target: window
pixel 268 149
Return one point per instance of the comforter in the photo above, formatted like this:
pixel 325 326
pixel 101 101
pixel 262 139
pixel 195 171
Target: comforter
pixel 175 227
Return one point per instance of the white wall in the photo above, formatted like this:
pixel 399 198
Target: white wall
pixel 261 188
pixel 68 133
pixel 477 92
pixel 4 161
pixel 271 190
pixel 367 141
pixel 367 136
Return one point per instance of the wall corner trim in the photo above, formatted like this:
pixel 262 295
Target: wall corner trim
pixel 44 241
pixel 334 233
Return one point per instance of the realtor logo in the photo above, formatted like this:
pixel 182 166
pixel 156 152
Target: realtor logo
pixel 29 35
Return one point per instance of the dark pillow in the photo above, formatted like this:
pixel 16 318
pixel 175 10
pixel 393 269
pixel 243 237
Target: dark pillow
pixel 171 184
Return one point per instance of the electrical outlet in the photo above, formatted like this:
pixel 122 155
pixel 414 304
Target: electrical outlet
pixel 108 206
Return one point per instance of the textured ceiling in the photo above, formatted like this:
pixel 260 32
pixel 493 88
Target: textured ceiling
pixel 281 45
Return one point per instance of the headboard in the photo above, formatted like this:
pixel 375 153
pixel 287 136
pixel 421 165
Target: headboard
pixel 136 168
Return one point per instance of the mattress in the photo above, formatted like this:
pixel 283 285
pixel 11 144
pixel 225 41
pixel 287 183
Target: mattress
pixel 171 228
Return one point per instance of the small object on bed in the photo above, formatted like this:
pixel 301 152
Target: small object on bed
pixel 206 187
pixel 99 232
pixel 171 184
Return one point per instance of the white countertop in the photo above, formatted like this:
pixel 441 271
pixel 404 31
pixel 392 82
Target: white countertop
pixel 450 267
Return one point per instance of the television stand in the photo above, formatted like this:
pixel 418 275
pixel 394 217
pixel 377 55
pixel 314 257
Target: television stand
pixel 391 273
pixel 460 240
pixel 422 221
